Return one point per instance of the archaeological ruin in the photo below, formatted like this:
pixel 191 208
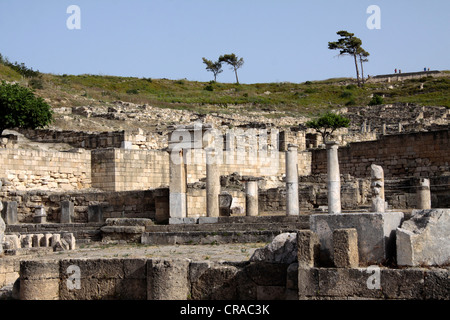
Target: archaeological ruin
pixel 365 215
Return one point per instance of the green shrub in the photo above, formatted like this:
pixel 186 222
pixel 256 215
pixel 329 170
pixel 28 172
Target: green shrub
pixel 19 107
pixel 133 91
pixel 346 94
pixel 208 88
pixel 36 83
pixel 351 102
pixel 376 100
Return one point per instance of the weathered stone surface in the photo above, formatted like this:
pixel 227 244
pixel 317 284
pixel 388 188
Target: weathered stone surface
pixel 378 202
pixel 283 249
pixel 67 211
pixel 9 212
pixel 167 279
pixel 212 281
pixel 376 234
pixel 425 238
pixel 11 242
pixel 345 245
pixel 308 248
pixel 2 233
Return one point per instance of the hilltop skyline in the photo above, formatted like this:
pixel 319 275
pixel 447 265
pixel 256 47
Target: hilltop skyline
pixel 284 41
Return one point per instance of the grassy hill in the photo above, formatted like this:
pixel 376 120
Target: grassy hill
pixel 283 99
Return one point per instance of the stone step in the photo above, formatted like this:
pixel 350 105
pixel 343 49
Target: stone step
pixel 211 237
pixel 226 227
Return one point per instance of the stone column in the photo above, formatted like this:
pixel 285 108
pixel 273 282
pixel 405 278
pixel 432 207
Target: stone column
pixel 2 229
pixel 177 185
pixel 383 129
pixel 212 184
pixel 423 194
pixel 378 202
pixel 251 197
pixel 334 178
pixel 292 203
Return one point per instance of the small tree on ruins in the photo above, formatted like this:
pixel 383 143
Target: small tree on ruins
pixel 328 123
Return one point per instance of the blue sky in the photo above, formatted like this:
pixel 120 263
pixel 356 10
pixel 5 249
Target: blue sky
pixel 284 40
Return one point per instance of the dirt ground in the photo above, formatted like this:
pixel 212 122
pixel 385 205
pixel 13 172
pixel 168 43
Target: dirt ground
pixel 211 252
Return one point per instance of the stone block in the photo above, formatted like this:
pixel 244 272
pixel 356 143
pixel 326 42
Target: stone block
pixel 212 281
pixel 12 242
pixel 67 211
pixel 424 239
pixel 9 212
pixel 40 216
pixel 188 220
pixel 36 240
pixel 308 249
pixel 376 234
pixel 95 214
pixel 167 279
pixel 345 246
pixel 282 249
pixel 70 239
pixel 202 220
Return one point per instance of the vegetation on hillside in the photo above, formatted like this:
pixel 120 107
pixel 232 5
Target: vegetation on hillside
pixel 310 98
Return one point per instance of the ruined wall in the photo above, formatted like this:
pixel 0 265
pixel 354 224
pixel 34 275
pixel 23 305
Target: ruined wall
pixel 9 271
pixel 137 139
pixel 196 201
pixel 121 170
pixel 421 154
pixel 130 204
pixel 156 279
pixel 36 169
pixel 77 139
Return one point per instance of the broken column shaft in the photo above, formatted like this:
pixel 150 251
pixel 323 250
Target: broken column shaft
pixel 334 178
pixel 292 203
pixel 177 185
pixel 212 184
pixel 423 195
pixel 378 202
pixel 251 197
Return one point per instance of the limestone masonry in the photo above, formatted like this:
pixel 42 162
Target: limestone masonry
pixel 364 215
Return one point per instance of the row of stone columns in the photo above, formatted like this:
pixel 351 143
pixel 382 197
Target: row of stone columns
pixel 178 183
pixel 178 206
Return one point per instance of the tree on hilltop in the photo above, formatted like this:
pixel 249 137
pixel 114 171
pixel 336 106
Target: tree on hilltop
pixel 234 61
pixel 362 55
pixel 19 107
pixel 348 44
pixel 214 67
pixel 328 123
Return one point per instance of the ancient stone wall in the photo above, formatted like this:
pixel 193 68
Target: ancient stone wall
pixel 37 169
pixel 422 154
pixel 130 204
pixel 77 139
pixel 136 139
pixel 120 169
pixel 156 279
